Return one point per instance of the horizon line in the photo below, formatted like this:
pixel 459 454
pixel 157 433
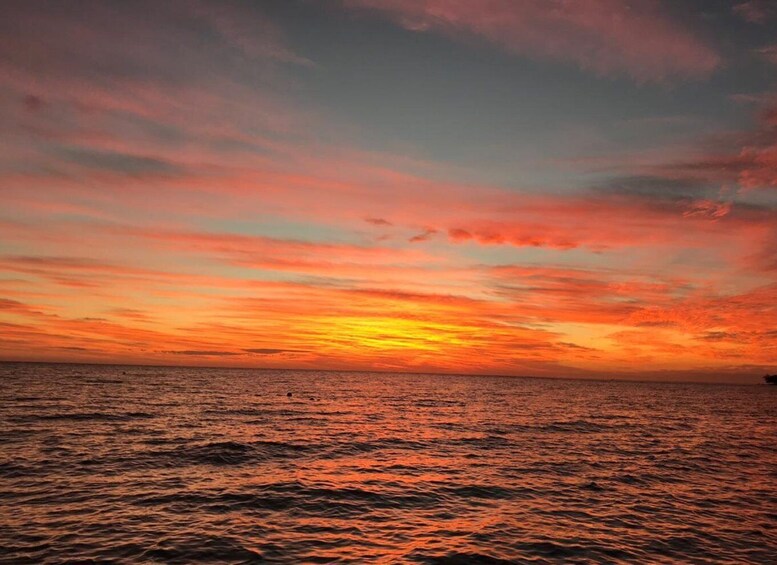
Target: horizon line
pixel 386 372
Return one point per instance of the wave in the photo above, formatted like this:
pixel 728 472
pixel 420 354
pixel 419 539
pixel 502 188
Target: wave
pixel 226 453
pixel 201 548
pixel 84 417
pixel 460 558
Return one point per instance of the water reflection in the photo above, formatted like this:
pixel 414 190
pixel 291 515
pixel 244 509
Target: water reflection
pixel 183 465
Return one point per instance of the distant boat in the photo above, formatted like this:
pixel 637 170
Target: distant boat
pixel 770 379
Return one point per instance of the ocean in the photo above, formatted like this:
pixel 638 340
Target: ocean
pixel 115 464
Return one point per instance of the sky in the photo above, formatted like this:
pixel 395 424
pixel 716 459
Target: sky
pixel 517 187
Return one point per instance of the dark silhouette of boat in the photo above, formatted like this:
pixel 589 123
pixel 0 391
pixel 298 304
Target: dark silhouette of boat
pixel 770 379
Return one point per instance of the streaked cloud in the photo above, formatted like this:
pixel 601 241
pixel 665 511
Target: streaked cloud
pixel 602 36
pixel 755 11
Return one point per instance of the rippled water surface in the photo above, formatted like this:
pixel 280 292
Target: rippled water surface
pixel 130 464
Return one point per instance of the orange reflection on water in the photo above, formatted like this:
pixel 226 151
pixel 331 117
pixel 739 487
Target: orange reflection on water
pixel 192 464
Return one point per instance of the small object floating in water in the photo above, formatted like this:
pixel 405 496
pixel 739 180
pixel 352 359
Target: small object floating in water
pixel 312 398
pixel 770 379
pixel 593 486
pixel 288 394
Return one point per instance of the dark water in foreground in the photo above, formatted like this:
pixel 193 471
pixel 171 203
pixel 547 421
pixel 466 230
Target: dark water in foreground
pixel 191 465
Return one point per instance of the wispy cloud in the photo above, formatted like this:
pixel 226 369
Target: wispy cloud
pixel 602 36
pixel 755 11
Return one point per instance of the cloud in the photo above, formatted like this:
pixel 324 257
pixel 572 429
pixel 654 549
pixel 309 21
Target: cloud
pixel 145 68
pixel 33 103
pixel 118 162
pixel 607 221
pixel 378 222
pixel 206 353
pixel 755 11
pixel 602 36
pixel 19 308
pixel 255 36
pixel 708 209
pixel 270 351
pixel 769 53
pixel 653 186
pixel 425 235
pixel 510 321
pixel 718 336
pixel 261 252
pixel 746 158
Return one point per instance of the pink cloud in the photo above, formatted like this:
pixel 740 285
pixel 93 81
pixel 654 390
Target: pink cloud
pixel 755 11
pixel 603 36
pixel 744 158
pixel 425 235
pixel 256 36
pixel 769 53
pixel 708 209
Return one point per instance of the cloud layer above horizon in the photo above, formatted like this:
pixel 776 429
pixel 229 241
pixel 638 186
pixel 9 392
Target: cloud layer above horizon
pixel 510 187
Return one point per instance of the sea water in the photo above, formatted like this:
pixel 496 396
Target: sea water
pixel 184 465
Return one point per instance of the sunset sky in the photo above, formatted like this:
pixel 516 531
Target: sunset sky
pixel 553 188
